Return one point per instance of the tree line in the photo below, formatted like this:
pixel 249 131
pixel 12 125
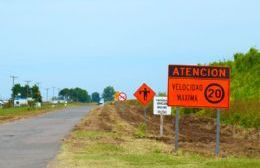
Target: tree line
pixel 19 91
pixel 245 75
pixel 81 95
pixel 73 94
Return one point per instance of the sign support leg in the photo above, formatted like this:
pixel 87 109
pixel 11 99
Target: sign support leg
pixel 161 126
pixel 116 103
pixel 177 130
pixel 218 133
pixel 145 116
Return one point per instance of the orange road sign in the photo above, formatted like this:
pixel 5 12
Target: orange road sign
pixel 116 96
pixel 198 86
pixel 144 94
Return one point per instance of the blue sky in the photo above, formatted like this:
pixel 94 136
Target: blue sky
pixel 95 43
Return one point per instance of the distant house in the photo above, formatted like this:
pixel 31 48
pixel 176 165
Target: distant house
pixel 59 100
pixel 18 102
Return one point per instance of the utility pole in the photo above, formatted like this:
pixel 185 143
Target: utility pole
pixel 27 83
pixel 47 94
pixel 59 91
pixel 38 85
pixel 13 78
pixel 53 91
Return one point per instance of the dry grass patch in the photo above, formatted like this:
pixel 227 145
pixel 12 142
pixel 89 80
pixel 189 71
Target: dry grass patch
pixel 105 139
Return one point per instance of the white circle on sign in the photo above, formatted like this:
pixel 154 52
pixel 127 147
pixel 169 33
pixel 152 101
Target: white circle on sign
pixel 122 96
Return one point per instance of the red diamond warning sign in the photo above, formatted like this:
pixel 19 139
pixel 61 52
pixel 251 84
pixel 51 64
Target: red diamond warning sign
pixel 144 94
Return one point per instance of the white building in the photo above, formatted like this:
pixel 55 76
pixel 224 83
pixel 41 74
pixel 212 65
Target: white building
pixel 18 102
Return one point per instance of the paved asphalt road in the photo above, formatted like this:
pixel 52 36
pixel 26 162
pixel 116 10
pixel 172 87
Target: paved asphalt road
pixel 32 143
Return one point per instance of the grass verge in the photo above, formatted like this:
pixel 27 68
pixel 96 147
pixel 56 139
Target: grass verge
pixel 10 114
pixel 103 140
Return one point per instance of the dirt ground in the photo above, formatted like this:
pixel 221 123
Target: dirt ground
pixel 196 134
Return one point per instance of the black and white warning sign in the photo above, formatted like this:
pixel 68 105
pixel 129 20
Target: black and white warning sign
pixel 160 106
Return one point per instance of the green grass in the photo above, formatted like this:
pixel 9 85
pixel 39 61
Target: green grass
pixel 245 90
pixel 241 113
pixel 91 135
pixel 141 131
pixel 233 163
pixel 7 114
pixel 90 146
pixel 98 150
pixel 17 111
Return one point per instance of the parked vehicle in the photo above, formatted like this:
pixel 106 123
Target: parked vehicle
pixel 1 104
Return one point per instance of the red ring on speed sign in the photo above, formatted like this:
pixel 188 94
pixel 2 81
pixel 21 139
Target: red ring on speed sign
pixel 214 93
pixel 122 96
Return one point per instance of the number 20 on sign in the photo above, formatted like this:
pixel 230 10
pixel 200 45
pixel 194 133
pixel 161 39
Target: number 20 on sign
pixel 198 86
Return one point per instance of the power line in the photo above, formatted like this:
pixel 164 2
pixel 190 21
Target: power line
pixel 13 78
pixel 53 91
pixel 28 82
pixel 47 94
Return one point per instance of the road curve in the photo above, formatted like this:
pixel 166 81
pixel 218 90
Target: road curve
pixel 32 143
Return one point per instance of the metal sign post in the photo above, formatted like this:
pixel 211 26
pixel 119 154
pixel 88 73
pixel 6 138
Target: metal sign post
pixel 145 115
pixel 144 95
pixel 161 108
pixel 218 133
pixel 161 126
pixel 119 97
pixel 116 103
pixel 177 130
pixel 193 86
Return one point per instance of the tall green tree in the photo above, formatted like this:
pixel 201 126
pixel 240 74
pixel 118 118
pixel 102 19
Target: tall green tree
pixel 36 93
pixel 65 93
pixel 76 95
pixel 27 91
pixel 108 94
pixel 95 97
pixel 16 90
pixel 245 75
